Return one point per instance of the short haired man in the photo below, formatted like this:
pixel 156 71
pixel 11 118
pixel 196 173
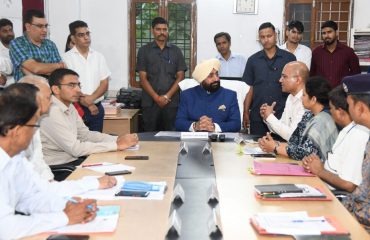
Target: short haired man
pixel 358 98
pixel 34 151
pixel 292 81
pixel 161 67
pixel 6 66
pixel 32 53
pixel 342 169
pixel 333 60
pixel 262 74
pixel 208 107
pixel 232 65
pixel 294 33
pixel 20 189
pixel 93 71
pixel 64 136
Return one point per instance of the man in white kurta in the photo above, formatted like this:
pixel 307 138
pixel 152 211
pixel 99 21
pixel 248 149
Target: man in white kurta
pixel 94 74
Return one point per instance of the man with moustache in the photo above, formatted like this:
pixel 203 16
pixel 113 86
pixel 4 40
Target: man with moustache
pixel 6 66
pixel 333 60
pixel 208 107
pixel 161 67
pixel 262 74
pixel 32 53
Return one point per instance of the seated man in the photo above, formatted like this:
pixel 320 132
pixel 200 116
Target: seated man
pixel 342 169
pixel 358 98
pixel 64 136
pixel 208 107
pixel 34 151
pixel 292 81
pixel 20 190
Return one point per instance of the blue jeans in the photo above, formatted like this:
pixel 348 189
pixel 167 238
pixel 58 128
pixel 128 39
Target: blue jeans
pixel 94 122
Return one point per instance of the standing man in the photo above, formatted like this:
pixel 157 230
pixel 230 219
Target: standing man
pixel 94 74
pixel 294 33
pixel 333 60
pixel 32 53
pixel 232 65
pixel 358 98
pixel 262 74
pixel 161 67
pixel 6 66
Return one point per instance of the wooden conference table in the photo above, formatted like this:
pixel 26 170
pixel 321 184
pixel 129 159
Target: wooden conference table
pixel 142 219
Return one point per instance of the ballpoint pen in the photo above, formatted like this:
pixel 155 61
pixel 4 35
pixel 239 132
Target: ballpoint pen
pixel 72 200
pixel 308 220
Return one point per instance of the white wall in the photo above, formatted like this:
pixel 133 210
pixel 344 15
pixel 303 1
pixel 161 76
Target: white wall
pixel 361 18
pixel 217 16
pixel 109 19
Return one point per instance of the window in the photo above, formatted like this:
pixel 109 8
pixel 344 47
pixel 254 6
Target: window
pixel 312 13
pixel 182 29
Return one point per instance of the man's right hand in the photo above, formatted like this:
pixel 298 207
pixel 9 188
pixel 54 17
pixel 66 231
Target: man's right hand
pixel 126 141
pixel 81 212
pixel 161 101
pixel 246 120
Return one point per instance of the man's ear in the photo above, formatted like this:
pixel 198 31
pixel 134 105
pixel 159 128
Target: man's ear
pixel 27 26
pixel 55 90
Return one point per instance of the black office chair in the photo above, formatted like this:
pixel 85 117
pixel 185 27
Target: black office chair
pixel 61 172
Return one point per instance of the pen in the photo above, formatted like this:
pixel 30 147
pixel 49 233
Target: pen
pixel 92 165
pixel 313 220
pixel 72 200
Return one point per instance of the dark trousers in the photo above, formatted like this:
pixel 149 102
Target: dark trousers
pixel 258 128
pixel 94 122
pixel 159 119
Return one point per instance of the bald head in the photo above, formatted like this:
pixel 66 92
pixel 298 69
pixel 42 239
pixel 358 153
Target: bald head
pixel 293 77
pixel 44 94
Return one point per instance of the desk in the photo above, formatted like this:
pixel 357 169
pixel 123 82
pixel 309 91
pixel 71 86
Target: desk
pixel 237 202
pixel 126 121
pixel 141 219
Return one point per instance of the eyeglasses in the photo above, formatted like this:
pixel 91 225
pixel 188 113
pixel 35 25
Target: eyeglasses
pixel 32 125
pixel 41 26
pixel 82 35
pixel 70 85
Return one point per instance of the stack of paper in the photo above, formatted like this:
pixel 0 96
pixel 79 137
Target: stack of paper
pixel 293 223
pixel 108 167
pixel 279 169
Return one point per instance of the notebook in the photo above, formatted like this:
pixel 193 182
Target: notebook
pixel 276 189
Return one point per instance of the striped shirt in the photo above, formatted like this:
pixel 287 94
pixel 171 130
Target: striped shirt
pixel 336 65
pixel 22 49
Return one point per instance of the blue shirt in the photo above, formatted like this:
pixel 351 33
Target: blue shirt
pixel 263 75
pixel 22 49
pixel 221 106
pixel 232 67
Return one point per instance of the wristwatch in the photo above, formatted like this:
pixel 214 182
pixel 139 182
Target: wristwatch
pixel 277 144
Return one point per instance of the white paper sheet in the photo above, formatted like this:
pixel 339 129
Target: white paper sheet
pixel 110 167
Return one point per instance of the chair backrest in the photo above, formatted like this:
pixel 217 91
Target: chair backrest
pixel 241 89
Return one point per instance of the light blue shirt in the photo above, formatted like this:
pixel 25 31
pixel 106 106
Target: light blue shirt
pixel 233 67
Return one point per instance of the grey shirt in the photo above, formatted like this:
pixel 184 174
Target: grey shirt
pixel 161 67
pixel 65 137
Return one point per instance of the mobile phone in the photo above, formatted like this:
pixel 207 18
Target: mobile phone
pixel 132 193
pixel 137 158
pixel 68 237
pixel 118 173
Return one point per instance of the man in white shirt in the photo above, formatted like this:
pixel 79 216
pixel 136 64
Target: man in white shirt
pixel 93 71
pixel 294 33
pixel 292 81
pixel 232 65
pixel 20 189
pixel 6 66
pixel 34 151
pixel 64 137
pixel 342 169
